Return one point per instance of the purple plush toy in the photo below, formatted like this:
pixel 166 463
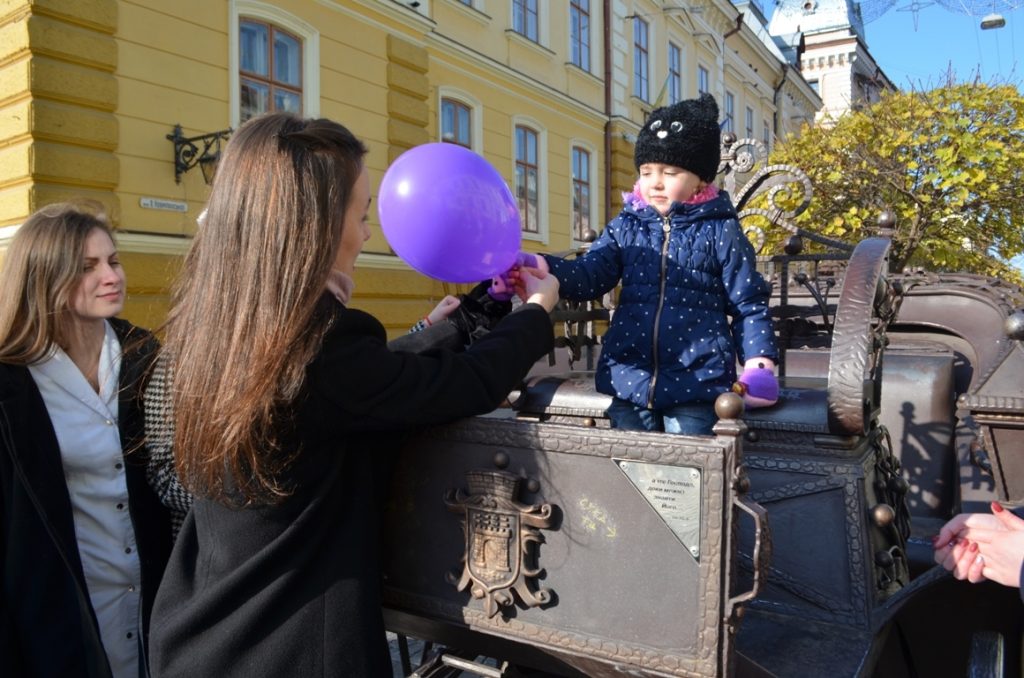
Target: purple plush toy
pixel 758 386
pixel 501 289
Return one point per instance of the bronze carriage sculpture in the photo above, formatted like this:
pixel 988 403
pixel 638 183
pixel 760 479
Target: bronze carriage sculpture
pixel 542 537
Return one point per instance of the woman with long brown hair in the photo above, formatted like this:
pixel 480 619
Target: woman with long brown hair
pixel 285 401
pixel 83 540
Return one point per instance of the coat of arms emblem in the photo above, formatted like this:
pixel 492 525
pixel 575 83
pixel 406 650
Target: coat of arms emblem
pixel 499 530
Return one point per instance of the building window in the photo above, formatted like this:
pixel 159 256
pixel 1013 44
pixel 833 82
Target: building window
pixel 580 192
pixel 270 69
pixel 641 84
pixel 730 112
pixel 527 177
pixel 703 84
pixel 524 18
pixel 456 123
pixel 750 122
pixel 767 134
pixel 814 86
pixel 579 32
pixel 675 73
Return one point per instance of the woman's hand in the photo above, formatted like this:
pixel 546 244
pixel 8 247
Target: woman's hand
pixel 978 546
pixel 536 286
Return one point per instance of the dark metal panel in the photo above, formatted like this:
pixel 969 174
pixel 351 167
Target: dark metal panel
pixel 626 594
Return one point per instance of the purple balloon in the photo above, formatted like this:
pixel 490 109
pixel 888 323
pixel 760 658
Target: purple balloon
pixel 448 213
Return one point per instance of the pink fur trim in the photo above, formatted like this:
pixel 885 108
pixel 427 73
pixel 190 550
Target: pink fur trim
pixel 710 192
pixel 635 200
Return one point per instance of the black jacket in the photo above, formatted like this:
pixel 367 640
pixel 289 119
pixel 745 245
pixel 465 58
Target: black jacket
pixel 47 625
pixel 294 589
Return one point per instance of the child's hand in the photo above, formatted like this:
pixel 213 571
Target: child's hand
pixel 443 309
pixel 758 384
pixel 532 288
pixel 536 263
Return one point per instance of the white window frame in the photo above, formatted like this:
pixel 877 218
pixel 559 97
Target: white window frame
pixel 476 113
pixel 644 93
pixel 264 11
pixel 543 27
pixel 543 217
pixel 675 78
pixel 730 112
pixel 703 78
pixel 592 169
pixel 588 67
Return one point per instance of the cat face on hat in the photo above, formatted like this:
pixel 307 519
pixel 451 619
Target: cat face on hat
pixel 685 134
pixel 660 131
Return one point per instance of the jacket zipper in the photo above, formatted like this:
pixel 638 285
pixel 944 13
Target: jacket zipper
pixel 666 229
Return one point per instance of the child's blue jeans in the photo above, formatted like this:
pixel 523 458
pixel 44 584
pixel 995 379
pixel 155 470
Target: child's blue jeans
pixel 688 419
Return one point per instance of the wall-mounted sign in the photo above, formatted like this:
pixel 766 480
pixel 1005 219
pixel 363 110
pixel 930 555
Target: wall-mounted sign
pixel 162 204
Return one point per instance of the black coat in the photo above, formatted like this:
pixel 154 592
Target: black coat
pixel 47 625
pixel 294 589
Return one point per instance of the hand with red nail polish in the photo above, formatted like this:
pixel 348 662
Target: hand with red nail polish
pixel 979 546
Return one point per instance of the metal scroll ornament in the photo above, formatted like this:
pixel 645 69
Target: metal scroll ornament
pixel 499 531
pixel 786 190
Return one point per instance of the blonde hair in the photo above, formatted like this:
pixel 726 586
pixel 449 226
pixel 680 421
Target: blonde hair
pixel 248 313
pixel 42 268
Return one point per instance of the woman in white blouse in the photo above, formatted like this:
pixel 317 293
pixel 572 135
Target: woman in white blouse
pixel 83 540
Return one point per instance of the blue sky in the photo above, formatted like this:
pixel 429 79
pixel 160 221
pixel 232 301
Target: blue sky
pixel 922 55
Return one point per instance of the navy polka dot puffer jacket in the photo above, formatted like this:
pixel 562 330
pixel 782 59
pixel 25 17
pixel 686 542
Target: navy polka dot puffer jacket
pixel 691 302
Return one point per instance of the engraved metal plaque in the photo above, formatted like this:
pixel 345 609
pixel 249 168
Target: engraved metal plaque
pixel 674 493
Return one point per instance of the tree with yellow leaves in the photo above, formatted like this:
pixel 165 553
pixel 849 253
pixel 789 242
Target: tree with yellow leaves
pixel 948 162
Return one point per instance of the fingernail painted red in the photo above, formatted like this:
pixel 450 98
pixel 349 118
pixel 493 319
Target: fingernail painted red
pixel 997 507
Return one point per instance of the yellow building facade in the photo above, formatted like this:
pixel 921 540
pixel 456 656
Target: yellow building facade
pixel 91 89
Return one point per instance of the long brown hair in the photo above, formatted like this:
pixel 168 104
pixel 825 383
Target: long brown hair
pixel 248 315
pixel 41 271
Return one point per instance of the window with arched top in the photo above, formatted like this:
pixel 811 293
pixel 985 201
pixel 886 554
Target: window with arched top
pixel 528 178
pixel 274 62
pixel 456 122
pixel 582 193
pixel 269 69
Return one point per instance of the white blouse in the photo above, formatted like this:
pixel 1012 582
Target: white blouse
pixel 90 449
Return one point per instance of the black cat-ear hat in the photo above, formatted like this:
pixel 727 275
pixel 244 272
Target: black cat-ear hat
pixel 685 134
